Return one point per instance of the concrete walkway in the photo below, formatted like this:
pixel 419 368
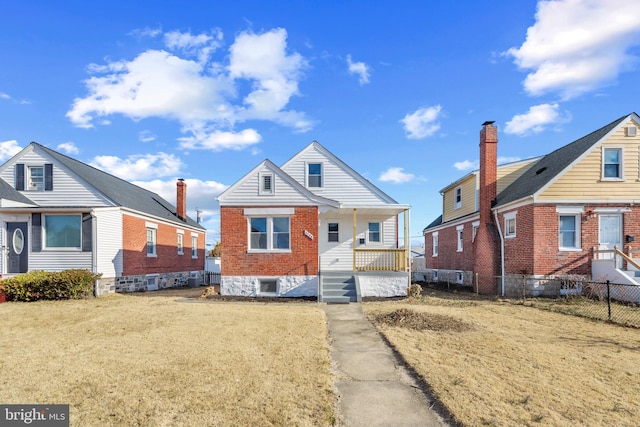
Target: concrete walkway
pixel 374 389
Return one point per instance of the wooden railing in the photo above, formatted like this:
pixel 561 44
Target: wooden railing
pixel 380 260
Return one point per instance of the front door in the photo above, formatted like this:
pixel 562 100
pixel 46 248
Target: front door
pixel 610 235
pixel 17 256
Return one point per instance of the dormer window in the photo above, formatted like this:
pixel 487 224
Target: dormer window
pixel 35 178
pixel 314 175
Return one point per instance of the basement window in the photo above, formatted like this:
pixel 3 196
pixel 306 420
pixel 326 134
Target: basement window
pixel 268 287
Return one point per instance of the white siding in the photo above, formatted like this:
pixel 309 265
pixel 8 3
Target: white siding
pixel 59 260
pixel 338 184
pixel 247 192
pixel 68 190
pixel 108 244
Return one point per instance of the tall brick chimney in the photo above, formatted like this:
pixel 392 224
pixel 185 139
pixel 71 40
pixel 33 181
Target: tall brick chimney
pixel 181 199
pixel 486 245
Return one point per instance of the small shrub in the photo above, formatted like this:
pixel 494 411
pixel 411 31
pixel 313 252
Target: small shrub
pixel 415 291
pixel 43 285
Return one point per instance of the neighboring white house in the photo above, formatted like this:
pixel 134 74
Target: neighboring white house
pixel 283 228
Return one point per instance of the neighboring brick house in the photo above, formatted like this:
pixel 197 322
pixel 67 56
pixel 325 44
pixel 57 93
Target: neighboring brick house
pixel 290 231
pixel 59 213
pixel 559 215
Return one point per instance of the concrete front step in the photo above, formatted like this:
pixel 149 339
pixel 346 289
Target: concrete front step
pixel 336 300
pixel 339 288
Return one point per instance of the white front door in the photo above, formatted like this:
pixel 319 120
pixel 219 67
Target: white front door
pixel 610 235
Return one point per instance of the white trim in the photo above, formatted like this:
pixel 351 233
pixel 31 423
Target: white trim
pixel 142 215
pixel 457 204
pixel 460 238
pixel 151 225
pixel 578 232
pixel 612 210
pixel 268 211
pixel 475 225
pixel 621 163
pixel 569 210
pixel 508 217
pixel 155 276
pixel 435 247
pixel 261 189
pixel 180 231
pixel 306 175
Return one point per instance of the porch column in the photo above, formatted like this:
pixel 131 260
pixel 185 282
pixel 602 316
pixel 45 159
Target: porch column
pixel 354 239
pixel 407 243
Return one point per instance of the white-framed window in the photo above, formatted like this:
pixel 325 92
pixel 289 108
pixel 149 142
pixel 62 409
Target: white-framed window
pixel 474 230
pixel 151 282
pixel 180 243
pixel 35 178
pixel 459 235
pixel 151 242
pixel 267 183
pixel 63 231
pixel 194 245
pixel 457 195
pixel 314 175
pixel 269 233
pixel 434 241
pixel 333 232
pixel 268 286
pixel 374 230
pixel 435 275
pixel 510 224
pixel 460 277
pixel 569 220
pixel 612 164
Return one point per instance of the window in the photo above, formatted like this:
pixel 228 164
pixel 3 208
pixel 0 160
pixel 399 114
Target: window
pixel 63 231
pixel 314 175
pixel 194 246
pixel 152 282
pixel 334 232
pixel 268 286
pixel 269 233
pixel 374 232
pixel 180 243
pixel 459 234
pixel 510 224
pixel 458 197
pixel 434 239
pixel 474 230
pixel 460 277
pixel 151 242
pixel 612 163
pixel 36 178
pixel 266 183
pixel 569 232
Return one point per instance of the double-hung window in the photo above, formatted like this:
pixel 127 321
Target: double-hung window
pixel 510 224
pixel 63 231
pixel 434 239
pixel 151 242
pixel 314 175
pixel 457 194
pixel 36 178
pixel 269 233
pixel 459 230
pixel 569 220
pixel 333 232
pixel 612 166
pixel 373 232
pixel 180 242
pixel 194 245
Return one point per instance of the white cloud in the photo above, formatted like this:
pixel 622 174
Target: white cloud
pixel 187 86
pixel 360 69
pixel 9 149
pixel 216 140
pixel 576 46
pixel 396 175
pixel 146 32
pixel 504 159
pixel 146 136
pixel 466 165
pixel 4 96
pixel 68 147
pixel 422 123
pixel 139 166
pixel 537 119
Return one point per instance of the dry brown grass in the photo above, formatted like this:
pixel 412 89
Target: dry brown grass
pixel 520 366
pixel 149 360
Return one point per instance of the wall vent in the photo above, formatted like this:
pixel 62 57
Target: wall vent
pixel 631 130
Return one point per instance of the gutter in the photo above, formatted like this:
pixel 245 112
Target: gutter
pixel 495 215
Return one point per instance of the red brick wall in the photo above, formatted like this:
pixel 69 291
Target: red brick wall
pixel 448 256
pixel 135 259
pixel 236 261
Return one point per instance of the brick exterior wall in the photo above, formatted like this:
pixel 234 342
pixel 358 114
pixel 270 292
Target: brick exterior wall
pixel 135 259
pixel 237 261
pixel 448 256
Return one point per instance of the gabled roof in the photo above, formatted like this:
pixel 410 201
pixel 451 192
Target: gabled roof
pixel 554 164
pixel 7 192
pixel 268 164
pixel 121 192
pixel 365 182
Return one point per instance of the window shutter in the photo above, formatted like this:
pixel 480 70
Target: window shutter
pixel 48 177
pixel 36 232
pixel 20 176
pixel 87 233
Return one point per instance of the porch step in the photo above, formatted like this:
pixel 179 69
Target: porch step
pixel 633 273
pixel 338 288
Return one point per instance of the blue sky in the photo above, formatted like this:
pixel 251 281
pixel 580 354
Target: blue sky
pixel 154 91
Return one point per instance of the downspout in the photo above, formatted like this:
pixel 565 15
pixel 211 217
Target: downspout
pixel 495 215
pixel 94 251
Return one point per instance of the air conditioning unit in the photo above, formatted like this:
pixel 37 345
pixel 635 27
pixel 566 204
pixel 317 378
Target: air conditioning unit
pixel 631 130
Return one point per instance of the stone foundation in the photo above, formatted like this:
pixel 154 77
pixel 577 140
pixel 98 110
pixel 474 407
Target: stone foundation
pixel 138 283
pixel 287 286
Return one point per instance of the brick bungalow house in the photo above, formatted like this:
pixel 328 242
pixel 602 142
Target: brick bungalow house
pixel 573 212
pixel 58 213
pixel 312 227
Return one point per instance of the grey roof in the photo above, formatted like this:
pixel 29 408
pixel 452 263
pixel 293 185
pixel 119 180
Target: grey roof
pixel 121 192
pixel 7 192
pixel 436 222
pixel 551 165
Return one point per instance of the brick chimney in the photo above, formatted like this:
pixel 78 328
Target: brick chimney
pixel 181 199
pixel 486 246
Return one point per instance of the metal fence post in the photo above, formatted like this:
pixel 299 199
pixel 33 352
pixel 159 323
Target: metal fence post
pixel 609 299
